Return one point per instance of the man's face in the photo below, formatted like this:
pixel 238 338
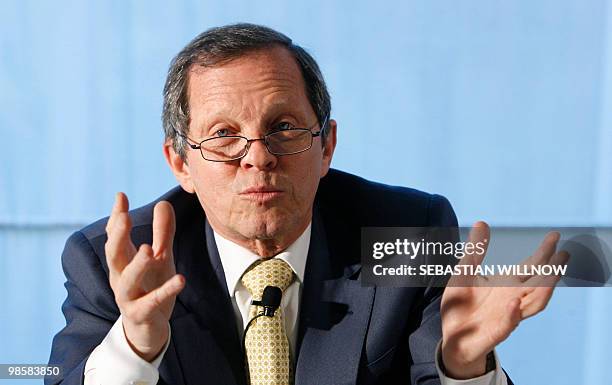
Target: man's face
pixel 261 196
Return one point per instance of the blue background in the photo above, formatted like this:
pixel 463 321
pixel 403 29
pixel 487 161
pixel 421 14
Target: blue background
pixel 502 106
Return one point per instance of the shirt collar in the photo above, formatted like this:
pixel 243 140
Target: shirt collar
pixel 236 259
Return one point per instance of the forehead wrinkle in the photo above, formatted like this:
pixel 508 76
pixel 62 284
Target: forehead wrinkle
pixel 241 87
pixel 226 97
pixel 261 74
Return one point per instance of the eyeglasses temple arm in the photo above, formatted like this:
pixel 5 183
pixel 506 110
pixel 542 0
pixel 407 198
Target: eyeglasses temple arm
pixel 193 146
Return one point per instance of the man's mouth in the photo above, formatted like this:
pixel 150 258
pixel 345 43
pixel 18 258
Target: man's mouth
pixel 261 193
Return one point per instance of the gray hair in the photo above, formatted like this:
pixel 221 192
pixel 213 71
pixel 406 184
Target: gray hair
pixel 218 46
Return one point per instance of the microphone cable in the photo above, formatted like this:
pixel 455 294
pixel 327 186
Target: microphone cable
pixel 270 301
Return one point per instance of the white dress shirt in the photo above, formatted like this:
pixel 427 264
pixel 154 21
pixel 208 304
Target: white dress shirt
pixel 236 260
pixel 114 362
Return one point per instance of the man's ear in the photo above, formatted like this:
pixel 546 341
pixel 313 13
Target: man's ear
pixel 329 147
pixel 179 167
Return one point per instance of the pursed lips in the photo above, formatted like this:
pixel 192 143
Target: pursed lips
pixel 261 193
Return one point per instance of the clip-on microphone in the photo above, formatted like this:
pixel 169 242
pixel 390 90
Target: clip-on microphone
pixel 270 301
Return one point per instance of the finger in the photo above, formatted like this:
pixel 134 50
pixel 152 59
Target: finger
pixel 119 248
pixel 479 234
pixel 155 299
pixel 164 227
pixel 559 259
pixel 535 301
pixel 545 250
pixel 121 204
pixel 537 298
pixel 542 255
pixel 130 286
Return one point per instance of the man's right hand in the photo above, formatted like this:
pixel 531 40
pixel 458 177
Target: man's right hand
pixel 144 281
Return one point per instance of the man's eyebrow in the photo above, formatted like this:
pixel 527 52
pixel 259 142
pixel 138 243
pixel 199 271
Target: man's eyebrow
pixel 203 128
pixel 278 109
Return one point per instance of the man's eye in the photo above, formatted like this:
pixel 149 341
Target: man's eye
pixel 222 132
pixel 282 126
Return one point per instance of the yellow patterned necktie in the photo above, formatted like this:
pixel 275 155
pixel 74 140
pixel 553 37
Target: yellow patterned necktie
pixel 267 346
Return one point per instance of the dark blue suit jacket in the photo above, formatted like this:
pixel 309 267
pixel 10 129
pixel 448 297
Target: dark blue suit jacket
pixel 348 333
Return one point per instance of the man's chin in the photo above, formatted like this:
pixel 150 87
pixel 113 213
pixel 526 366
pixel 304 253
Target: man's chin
pixel 263 227
pixel 262 231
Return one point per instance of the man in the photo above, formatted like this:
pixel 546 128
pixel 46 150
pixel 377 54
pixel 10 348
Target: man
pixel 162 294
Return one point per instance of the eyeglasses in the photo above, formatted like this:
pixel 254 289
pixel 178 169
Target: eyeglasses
pixel 233 147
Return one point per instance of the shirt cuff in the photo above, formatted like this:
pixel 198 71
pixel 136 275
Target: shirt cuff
pixel 114 361
pixel 494 377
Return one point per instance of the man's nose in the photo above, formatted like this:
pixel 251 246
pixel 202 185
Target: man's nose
pixel 259 157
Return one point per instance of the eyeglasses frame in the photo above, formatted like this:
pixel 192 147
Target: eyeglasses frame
pixel 249 141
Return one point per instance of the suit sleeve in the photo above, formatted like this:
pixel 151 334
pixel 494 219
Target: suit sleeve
pixel 89 309
pixel 422 342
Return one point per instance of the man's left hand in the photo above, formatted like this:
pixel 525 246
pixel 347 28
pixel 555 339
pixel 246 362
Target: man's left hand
pixel 479 312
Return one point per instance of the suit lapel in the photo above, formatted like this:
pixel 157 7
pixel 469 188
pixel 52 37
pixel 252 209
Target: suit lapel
pixel 334 316
pixel 204 334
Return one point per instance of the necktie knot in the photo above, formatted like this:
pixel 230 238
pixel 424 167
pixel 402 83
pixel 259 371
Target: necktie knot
pixel 269 272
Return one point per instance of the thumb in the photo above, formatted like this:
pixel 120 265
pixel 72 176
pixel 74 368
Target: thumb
pixel 480 233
